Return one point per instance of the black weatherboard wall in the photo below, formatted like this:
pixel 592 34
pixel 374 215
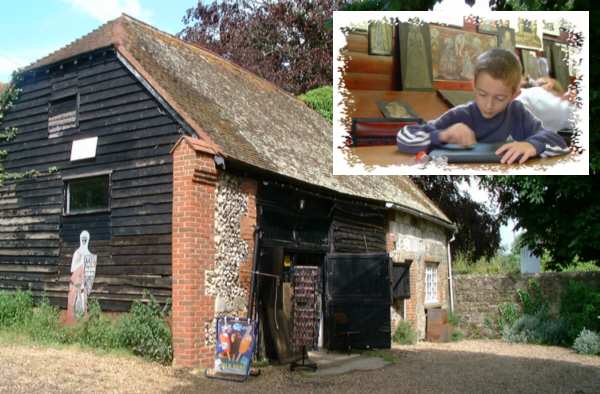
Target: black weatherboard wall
pixel 133 237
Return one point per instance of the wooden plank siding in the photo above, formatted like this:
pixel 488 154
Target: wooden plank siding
pixel 364 71
pixel 133 240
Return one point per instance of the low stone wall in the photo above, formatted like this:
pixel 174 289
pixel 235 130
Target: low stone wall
pixel 478 296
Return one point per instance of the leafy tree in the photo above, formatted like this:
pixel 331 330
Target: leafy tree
pixel 559 213
pixel 540 5
pixel 478 232
pixel 393 5
pixel 282 41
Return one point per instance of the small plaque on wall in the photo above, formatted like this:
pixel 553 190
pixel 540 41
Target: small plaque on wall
pixel 84 149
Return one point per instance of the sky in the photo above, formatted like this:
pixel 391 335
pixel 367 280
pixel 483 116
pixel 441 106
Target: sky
pixel 32 29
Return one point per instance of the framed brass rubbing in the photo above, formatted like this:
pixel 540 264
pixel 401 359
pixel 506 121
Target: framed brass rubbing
pixel 415 56
pixel 381 34
pixel 506 38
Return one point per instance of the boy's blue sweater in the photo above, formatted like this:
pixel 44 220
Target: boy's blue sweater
pixel 515 122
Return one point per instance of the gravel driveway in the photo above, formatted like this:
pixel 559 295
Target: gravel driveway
pixel 463 367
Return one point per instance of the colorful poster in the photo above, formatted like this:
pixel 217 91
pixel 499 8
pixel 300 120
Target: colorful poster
pixel 236 339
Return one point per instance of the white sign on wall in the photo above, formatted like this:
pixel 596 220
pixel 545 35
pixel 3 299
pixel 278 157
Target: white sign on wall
pixel 84 148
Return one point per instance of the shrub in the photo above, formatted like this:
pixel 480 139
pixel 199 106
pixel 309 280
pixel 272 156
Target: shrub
pixel 579 308
pixel 536 329
pixel 453 319
pixel 15 308
pixel 532 300
pixel 98 330
pixel 523 330
pixel 144 330
pixel 588 342
pixel 508 314
pixel 404 334
pixel 44 324
pixel 321 100
pixel 457 335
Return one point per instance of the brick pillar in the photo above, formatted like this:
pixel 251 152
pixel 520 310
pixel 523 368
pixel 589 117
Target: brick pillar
pixel 194 184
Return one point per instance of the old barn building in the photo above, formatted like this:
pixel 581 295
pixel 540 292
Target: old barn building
pixel 191 174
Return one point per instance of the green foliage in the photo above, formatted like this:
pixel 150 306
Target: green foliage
pixel 478 229
pixel 389 5
pixel 44 325
pixel 580 266
pixel 455 333
pixel 532 300
pixel 559 213
pixel 15 308
pixel 453 319
pixel 537 329
pixel 404 334
pixel 588 342
pixel 98 330
pixel 321 100
pixel 540 5
pixel 8 96
pixel 498 264
pixel 145 331
pixel 580 308
pixel 508 314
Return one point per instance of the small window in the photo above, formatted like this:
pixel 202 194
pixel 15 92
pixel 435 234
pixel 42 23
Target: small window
pixel 62 115
pixel 431 283
pixel 86 195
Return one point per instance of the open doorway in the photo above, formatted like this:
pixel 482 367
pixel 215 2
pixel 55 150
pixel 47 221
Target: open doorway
pixel 274 297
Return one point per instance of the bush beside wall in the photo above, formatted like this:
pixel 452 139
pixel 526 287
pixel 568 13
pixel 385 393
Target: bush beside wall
pixel 143 331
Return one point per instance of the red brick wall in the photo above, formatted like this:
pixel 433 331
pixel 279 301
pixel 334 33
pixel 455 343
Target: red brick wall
pixel 194 183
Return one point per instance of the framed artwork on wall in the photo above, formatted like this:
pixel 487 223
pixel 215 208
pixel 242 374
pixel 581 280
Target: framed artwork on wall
pixel 548 55
pixel 527 35
pixel 560 63
pixel 381 35
pixel 454 52
pixel 415 56
pixel 506 38
pixel 552 28
pixel 531 66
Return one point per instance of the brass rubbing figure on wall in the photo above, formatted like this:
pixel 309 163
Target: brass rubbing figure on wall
pixel 415 55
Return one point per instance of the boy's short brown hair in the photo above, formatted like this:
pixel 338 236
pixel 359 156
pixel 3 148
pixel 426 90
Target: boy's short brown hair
pixel 500 64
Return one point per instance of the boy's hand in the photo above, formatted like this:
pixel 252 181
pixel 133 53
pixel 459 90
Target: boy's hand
pixel 459 134
pixel 513 150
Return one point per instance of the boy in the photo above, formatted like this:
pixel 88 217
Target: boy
pixel 494 116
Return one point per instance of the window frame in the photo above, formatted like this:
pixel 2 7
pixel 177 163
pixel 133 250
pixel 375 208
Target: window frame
pixel 431 297
pixel 67 193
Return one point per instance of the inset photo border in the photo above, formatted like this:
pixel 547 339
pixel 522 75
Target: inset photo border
pixel 419 110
